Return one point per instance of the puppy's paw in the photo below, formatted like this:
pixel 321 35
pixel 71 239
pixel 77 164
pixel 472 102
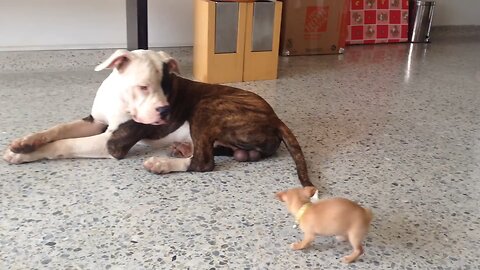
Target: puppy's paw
pixel 157 165
pixel 29 143
pixel 297 246
pixel 348 259
pixel 14 158
pixel 181 150
pixel 341 238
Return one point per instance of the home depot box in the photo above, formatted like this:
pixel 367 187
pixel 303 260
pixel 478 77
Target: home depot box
pixel 313 27
pixel 377 21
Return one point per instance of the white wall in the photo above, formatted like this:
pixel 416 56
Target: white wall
pixel 84 24
pixel 457 12
pixel 67 24
pixel 50 24
pixel 170 23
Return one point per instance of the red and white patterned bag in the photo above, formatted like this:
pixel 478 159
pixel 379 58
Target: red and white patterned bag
pixel 377 21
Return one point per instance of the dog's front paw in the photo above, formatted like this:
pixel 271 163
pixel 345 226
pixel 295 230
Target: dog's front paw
pixel 157 165
pixel 181 150
pixel 14 158
pixel 28 144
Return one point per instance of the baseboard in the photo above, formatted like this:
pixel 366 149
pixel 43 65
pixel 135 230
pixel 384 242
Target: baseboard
pixel 62 47
pixel 455 30
pixel 72 59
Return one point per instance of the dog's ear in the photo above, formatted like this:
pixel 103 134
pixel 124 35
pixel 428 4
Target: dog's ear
pixel 173 66
pixel 117 60
pixel 280 196
pixel 170 66
pixel 309 191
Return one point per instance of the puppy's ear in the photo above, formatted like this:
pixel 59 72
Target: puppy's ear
pixel 309 191
pixel 280 196
pixel 117 60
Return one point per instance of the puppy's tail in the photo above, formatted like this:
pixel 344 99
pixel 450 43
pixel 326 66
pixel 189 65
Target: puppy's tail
pixel 369 213
pixel 296 152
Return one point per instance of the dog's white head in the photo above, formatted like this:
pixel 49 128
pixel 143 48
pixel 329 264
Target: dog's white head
pixel 143 81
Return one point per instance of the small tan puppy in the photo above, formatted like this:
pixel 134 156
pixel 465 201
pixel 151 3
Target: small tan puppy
pixel 336 216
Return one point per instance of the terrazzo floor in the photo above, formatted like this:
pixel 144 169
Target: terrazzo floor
pixel 394 127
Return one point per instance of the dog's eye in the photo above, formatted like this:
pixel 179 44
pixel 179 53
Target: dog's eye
pixel 143 87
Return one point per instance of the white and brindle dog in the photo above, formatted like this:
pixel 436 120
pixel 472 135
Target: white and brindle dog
pixel 144 99
pixel 133 91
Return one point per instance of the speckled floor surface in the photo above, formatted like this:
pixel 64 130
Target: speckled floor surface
pixel 394 127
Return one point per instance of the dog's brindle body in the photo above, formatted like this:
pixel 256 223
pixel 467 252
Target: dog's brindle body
pixel 217 114
pixel 220 118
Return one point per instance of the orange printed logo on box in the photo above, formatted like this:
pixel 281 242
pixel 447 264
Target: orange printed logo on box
pixel 316 19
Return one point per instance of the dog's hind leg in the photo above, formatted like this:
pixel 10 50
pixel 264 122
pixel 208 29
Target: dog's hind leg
pixel 163 165
pixel 355 237
pixel 80 128
pixel 181 149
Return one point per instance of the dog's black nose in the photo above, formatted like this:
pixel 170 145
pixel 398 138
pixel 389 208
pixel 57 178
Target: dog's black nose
pixel 164 111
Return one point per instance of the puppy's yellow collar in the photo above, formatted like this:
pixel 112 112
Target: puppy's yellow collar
pixel 301 211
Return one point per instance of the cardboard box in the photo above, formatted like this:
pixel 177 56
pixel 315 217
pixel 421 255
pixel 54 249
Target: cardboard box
pixel 313 27
pixel 377 21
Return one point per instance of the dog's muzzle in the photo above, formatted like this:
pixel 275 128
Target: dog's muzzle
pixel 164 112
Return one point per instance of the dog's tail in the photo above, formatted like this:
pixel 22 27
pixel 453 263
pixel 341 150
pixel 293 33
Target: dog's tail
pixel 296 153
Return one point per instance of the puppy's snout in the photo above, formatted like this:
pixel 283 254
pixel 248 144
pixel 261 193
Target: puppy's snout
pixel 164 111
